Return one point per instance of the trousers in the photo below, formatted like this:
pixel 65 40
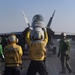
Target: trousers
pixel 37 66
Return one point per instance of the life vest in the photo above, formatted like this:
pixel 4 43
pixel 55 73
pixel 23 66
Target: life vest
pixel 13 54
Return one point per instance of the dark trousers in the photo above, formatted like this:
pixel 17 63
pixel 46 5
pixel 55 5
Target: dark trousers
pixel 65 63
pixel 12 71
pixel 37 66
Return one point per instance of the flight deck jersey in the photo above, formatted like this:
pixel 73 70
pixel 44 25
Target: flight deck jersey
pixel 1 50
pixel 37 50
pixel 64 47
pixel 13 54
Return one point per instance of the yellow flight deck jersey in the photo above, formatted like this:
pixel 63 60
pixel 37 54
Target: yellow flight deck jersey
pixel 13 55
pixel 37 51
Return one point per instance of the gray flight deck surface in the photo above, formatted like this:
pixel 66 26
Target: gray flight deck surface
pixel 53 63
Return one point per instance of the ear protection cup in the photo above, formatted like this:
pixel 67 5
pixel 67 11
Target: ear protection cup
pixel 13 38
pixel 17 40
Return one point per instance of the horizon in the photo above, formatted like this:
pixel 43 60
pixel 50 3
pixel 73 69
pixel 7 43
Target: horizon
pixel 12 20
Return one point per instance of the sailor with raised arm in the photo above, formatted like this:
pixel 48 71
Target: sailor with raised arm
pixel 37 40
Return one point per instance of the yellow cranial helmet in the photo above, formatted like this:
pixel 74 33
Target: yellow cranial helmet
pixel 12 38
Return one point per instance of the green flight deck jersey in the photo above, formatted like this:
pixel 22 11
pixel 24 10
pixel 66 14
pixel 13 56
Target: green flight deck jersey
pixel 1 50
pixel 64 47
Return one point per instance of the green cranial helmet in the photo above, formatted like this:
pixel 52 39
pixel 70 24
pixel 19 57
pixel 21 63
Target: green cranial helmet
pixel 37 17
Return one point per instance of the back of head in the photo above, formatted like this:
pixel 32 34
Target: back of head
pixel 38 21
pixel 63 35
pixel 37 34
pixel 12 39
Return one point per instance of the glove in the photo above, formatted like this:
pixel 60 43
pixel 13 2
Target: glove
pixel 44 29
pixel 30 28
pixel 2 58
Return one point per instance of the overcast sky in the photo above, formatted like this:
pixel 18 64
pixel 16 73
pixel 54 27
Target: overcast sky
pixel 11 18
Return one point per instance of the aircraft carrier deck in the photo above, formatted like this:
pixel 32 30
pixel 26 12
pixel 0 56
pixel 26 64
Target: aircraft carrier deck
pixel 53 63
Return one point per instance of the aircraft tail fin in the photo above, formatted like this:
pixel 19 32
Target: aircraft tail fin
pixel 25 18
pixel 50 20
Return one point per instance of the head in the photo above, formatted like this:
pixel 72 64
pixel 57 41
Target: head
pixel 63 35
pixel 38 21
pixel 12 39
pixel 37 34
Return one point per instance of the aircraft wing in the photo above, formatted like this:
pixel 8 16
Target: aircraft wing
pixel 69 35
pixel 51 33
pixel 55 35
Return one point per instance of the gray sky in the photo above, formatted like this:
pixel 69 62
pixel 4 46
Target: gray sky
pixel 11 18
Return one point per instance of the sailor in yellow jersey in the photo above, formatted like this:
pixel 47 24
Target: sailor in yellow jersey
pixel 37 39
pixel 13 56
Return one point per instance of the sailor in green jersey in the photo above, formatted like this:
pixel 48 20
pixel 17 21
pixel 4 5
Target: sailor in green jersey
pixel 1 55
pixel 64 53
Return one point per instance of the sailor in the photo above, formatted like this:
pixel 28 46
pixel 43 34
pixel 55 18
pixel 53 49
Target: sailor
pixel 1 50
pixel 4 41
pixel 37 39
pixel 1 55
pixel 13 56
pixel 64 53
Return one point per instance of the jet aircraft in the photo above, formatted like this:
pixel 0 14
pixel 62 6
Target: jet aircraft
pixel 51 34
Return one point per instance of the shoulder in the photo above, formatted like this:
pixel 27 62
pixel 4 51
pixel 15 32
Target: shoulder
pixel 0 45
pixel 66 40
pixel 18 46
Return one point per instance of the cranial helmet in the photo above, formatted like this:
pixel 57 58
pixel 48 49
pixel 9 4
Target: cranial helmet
pixel 37 34
pixel 63 34
pixel 12 38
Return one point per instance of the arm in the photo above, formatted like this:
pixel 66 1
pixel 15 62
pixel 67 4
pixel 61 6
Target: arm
pixel 20 51
pixel 46 38
pixel 60 47
pixel 28 38
pixel 1 50
pixel 68 48
pixel 2 54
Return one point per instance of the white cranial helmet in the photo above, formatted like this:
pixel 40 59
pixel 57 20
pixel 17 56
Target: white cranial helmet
pixel 63 34
pixel 37 34
pixel 12 38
